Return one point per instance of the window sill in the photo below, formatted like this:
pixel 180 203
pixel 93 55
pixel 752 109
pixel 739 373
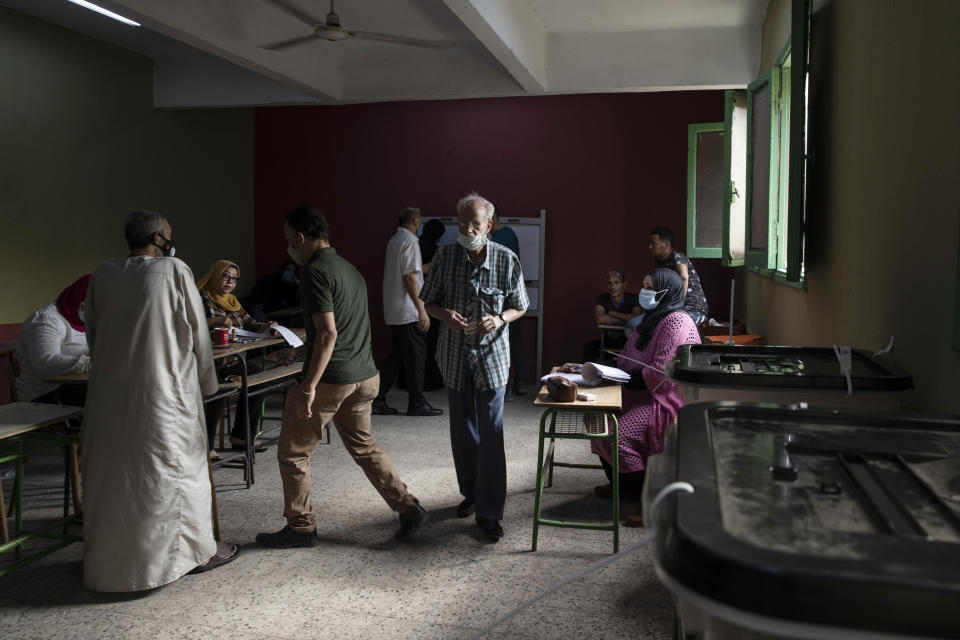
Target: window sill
pixel 779 276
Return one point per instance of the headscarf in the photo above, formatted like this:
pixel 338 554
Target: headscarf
pixel 433 229
pixel 70 299
pixel 669 302
pixel 210 285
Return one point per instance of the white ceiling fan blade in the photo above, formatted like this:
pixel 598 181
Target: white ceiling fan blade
pixel 291 9
pixel 413 42
pixel 289 43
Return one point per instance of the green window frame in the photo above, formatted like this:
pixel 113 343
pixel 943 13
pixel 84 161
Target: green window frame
pixel 694 134
pixel 776 161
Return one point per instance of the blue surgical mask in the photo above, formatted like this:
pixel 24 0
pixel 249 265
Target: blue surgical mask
pixel 286 276
pixel 648 298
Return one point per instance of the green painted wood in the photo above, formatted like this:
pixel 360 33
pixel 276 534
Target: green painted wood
pixel 693 133
pixel 754 258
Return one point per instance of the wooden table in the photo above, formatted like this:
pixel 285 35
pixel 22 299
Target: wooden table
pixel 18 422
pixel 228 389
pixel 569 421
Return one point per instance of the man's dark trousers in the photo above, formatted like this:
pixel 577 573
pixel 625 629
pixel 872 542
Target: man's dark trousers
pixel 409 351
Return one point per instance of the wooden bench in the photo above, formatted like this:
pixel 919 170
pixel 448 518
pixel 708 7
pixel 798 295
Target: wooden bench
pixel 270 375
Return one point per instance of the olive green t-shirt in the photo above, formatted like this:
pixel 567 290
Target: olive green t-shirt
pixel 330 283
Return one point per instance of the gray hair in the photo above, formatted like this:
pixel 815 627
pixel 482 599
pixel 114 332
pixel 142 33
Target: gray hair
pixel 140 227
pixel 407 214
pixel 467 201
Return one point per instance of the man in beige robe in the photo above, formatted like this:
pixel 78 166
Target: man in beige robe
pixel 146 489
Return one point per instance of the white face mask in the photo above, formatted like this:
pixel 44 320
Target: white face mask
pixel 471 243
pixel 648 298
pixel 294 254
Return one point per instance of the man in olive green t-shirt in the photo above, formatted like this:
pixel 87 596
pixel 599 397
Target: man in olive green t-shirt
pixel 339 382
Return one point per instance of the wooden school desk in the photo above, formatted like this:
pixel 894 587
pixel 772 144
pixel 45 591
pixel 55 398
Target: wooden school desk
pixel 19 422
pixel 567 422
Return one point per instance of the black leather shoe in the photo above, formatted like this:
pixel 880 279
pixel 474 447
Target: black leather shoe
pixel 424 410
pixel 519 388
pixel 465 508
pixel 287 538
pixel 508 394
pixel 380 408
pixel 410 520
pixel 490 528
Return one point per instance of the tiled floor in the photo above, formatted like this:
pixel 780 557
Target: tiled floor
pixel 360 582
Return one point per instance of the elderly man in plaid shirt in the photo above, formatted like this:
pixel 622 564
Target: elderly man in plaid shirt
pixel 475 287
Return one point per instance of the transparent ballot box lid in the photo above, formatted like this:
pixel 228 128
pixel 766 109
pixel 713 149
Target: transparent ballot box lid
pixel 784 367
pixel 837 519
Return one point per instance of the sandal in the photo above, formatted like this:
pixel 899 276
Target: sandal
pixel 226 553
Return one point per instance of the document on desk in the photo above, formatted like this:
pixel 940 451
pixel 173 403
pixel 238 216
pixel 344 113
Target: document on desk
pixel 575 378
pixel 285 333
pixel 594 374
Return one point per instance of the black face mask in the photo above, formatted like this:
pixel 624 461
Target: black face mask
pixel 167 247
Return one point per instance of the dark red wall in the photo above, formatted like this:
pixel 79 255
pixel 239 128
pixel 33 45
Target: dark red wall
pixel 606 168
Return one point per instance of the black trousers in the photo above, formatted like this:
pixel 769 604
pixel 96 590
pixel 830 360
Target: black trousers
pixel 631 482
pixel 214 409
pixel 432 378
pixel 410 352
pixel 517 356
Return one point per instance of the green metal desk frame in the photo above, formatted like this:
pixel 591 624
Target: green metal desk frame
pixel 609 430
pixel 16 449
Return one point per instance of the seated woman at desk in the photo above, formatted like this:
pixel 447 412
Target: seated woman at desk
pixel 650 401
pixel 616 307
pixel 224 310
pixel 52 343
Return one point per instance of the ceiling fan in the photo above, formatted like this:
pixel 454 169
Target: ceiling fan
pixel 330 29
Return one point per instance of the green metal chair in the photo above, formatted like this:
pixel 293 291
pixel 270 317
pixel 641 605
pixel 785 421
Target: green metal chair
pixel 576 424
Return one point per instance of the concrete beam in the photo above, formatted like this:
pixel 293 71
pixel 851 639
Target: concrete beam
pixel 662 60
pixel 219 28
pixel 512 34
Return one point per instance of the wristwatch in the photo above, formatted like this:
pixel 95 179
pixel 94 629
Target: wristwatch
pixel 502 319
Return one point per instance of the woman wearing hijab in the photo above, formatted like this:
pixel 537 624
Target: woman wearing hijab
pixel 650 401
pixel 52 343
pixel 224 310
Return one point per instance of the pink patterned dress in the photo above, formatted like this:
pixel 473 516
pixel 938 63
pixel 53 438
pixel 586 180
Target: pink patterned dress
pixel 646 414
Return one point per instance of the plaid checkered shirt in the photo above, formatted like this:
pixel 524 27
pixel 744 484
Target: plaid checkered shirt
pixel 489 288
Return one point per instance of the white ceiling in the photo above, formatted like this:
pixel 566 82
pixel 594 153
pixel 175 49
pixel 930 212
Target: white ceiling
pixel 207 52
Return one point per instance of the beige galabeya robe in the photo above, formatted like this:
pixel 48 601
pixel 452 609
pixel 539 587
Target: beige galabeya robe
pixel 147 516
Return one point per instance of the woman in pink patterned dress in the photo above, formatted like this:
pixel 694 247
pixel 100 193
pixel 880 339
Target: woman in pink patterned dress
pixel 650 401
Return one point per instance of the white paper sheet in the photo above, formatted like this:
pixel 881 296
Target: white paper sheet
pixel 576 378
pixel 285 333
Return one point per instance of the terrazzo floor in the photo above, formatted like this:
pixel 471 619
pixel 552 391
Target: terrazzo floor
pixel 359 582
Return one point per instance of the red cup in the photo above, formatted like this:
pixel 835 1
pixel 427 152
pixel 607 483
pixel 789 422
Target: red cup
pixel 221 335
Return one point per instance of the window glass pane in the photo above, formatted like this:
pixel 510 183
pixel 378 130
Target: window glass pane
pixel 738 174
pixel 760 180
pixel 783 177
pixel 709 196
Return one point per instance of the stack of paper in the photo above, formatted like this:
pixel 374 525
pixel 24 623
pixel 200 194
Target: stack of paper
pixel 594 374
pixel 575 378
